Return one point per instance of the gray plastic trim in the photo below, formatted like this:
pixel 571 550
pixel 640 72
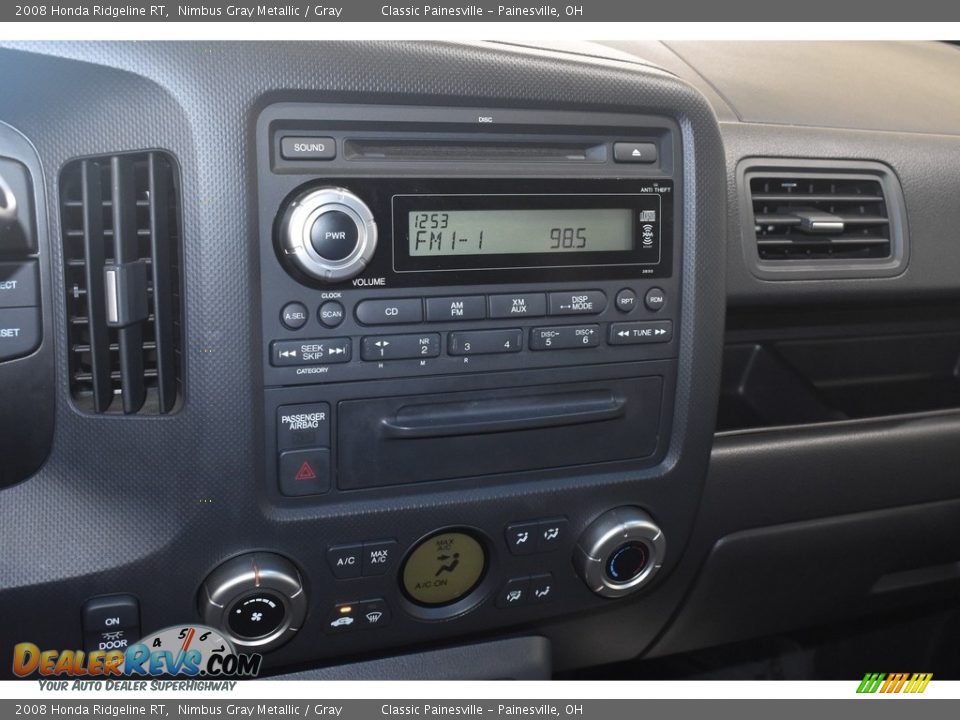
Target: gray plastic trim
pixel 522 658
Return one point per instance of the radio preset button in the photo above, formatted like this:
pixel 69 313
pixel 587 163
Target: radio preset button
pixel 626 300
pixel 519 305
pixel 655 299
pixel 400 347
pixel 565 337
pixel 331 314
pixel 294 315
pixel 323 351
pixel 441 309
pixel 639 333
pixel 484 342
pixel 390 312
pixel 584 302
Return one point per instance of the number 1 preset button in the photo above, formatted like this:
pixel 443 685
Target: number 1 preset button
pixel 484 342
pixel 400 347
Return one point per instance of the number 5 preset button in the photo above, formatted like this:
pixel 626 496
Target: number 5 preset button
pixel 565 337
pixel 484 342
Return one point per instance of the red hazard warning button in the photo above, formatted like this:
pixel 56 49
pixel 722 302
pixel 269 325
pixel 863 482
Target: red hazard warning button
pixel 304 472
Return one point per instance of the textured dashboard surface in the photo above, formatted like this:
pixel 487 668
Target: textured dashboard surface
pixel 895 86
pixel 150 505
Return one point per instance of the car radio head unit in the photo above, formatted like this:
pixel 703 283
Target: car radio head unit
pixel 443 300
pixel 406 232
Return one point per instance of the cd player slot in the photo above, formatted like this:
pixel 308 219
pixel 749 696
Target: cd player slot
pixel 490 416
pixel 454 151
pixel 470 434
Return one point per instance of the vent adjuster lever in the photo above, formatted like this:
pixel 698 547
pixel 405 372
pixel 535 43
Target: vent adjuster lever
pixel 817 221
pixel 125 287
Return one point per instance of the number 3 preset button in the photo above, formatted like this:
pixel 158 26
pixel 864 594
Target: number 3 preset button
pixel 484 342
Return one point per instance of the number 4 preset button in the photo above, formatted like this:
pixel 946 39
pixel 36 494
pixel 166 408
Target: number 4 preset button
pixel 484 342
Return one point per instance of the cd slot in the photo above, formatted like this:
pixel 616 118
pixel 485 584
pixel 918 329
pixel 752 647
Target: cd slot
pixel 455 151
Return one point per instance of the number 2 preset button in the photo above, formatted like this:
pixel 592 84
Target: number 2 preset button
pixel 400 347
pixel 484 342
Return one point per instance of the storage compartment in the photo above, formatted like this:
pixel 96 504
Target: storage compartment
pixel 770 580
pixel 456 435
pixel 850 371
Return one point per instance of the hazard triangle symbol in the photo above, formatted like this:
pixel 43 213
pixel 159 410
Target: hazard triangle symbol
pixel 305 473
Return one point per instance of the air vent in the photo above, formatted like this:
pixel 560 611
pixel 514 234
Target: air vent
pixel 823 219
pixel 121 238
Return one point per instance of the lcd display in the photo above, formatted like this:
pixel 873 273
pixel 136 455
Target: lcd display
pixel 510 232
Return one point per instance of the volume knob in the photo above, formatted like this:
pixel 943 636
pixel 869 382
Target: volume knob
pixel 328 233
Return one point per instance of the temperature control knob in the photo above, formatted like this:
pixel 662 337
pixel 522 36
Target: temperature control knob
pixel 619 552
pixel 328 233
pixel 257 600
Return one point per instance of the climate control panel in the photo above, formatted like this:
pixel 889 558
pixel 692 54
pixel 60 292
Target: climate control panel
pixel 260 602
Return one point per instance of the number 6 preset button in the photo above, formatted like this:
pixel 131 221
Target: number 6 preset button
pixel 390 312
pixel 484 342
pixel 565 337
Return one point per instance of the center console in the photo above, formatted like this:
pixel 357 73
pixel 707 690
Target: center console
pixel 453 301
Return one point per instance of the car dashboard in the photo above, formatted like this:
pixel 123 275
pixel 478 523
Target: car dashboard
pixel 479 360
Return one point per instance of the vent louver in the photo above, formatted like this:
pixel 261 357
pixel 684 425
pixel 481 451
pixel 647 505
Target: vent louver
pixel 121 237
pixel 819 218
pixel 822 219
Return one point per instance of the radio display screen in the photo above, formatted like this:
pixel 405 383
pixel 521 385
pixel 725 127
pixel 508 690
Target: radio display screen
pixel 510 232
pixel 474 232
